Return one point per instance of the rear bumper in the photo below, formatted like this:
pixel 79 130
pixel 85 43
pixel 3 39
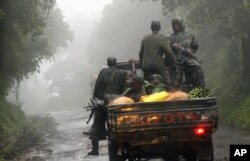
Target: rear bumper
pixel 159 136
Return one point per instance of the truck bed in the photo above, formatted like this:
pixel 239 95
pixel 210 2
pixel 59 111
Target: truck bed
pixel 146 121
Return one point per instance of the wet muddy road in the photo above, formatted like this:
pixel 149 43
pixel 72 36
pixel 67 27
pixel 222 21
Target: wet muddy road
pixel 66 142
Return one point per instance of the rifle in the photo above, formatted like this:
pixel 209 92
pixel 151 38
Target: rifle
pixel 93 106
pixel 189 54
pixel 88 107
pixel 185 51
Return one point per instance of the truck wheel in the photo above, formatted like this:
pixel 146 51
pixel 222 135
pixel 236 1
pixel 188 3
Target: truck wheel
pixel 112 148
pixel 207 152
pixel 211 156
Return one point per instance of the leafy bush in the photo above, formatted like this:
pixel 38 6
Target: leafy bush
pixel 240 117
pixel 12 123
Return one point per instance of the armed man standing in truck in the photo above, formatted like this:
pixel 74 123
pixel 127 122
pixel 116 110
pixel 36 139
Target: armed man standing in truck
pixel 110 81
pixel 155 53
pixel 184 46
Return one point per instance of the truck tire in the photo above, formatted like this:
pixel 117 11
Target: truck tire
pixel 211 156
pixel 112 149
pixel 207 152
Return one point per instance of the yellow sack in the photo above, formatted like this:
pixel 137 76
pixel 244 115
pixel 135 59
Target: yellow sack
pixel 159 96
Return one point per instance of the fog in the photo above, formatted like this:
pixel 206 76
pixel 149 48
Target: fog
pixel 58 86
pixel 50 52
pixel 101 28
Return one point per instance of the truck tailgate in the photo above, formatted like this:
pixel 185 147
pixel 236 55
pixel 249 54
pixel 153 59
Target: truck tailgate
pixel 128 121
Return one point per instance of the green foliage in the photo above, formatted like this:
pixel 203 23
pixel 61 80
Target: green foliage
pixel 12 122
pixel 228 15
pixel 240 116
pixel 223 30
pixel 12 119
pixel 1 15
pixel 7 153
pixel 17 132
pixel 30 32
pixel 226 73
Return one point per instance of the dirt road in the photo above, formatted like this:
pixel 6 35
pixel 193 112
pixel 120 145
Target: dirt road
pixel 66 142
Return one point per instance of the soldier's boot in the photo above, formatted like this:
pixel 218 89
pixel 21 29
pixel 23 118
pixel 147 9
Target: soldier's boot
pixel 181 158
pixel 95 147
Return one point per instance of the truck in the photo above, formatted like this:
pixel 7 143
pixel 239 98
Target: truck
pixel 169 129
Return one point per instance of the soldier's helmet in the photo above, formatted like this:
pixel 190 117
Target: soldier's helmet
pixel 155 25
pixel 155 77
pixel 179 21
pixel 111 61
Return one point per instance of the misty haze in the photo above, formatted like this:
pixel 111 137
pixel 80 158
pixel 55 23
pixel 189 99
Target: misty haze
pixel 52 52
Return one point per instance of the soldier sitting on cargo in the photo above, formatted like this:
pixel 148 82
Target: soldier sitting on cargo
pixel 135 86
pixel 155 84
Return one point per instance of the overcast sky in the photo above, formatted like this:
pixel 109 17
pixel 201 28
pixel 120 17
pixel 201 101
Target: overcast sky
pixel 86 8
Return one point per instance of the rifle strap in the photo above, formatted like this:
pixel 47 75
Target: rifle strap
pixel 112 76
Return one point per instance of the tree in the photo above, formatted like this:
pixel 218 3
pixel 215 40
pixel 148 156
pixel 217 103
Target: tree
pixel 27 38
pixel 223 28
pixel 229 18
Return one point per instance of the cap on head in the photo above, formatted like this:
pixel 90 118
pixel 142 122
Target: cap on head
pixel 155 25
pixel 180 22
pixel 155 77
pixel 111 61
pixel 137 83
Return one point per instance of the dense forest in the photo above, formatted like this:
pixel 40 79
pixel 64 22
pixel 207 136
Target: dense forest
pixel 222 28
pixel 30 31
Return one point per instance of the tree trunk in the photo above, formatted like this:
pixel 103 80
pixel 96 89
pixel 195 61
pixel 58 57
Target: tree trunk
pixel 246 55
pixel 245 42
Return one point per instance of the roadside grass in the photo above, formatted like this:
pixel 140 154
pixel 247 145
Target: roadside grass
pixel 240 116
pixel 19 132
pixel 12 120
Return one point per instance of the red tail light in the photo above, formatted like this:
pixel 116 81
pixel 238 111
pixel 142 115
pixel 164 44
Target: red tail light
pixel 199 131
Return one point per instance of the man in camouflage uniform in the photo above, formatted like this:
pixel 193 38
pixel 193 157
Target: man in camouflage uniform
pixel 154 47
pixel 110 81
pixel 184 45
